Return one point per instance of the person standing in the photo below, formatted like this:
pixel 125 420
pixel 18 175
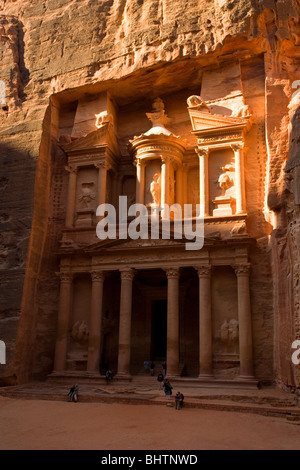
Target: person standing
pixel 152 366
pixel 181 398
pixel 177 401
pixel 164 367
pixel 146 365
pixel 168 389
pixel 160 379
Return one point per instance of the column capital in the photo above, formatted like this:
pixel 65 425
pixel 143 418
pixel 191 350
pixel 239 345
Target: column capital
pixel 172 273
pixel 165 158
pixel 238 146
pixel 127 274
pixel 65 276
pixel 102 164
pixel 97 276
pixel 242 269
pixel 138 162
pixel 71 168
pixel 203 270
pixel 202 151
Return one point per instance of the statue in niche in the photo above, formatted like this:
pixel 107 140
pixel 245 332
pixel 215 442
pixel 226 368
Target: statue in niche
pixel 225 180
pixel 87 195
pixel 80 332
pixel 229 335
pixel 155 189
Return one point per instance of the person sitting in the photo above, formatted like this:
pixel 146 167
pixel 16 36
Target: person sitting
pixel 108 375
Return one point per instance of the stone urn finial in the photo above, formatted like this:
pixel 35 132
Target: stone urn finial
pixel 158 116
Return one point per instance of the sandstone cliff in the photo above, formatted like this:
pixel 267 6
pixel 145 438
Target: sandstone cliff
pixel 56 50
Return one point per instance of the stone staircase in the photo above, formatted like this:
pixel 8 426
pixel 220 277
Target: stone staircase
pixel 144 390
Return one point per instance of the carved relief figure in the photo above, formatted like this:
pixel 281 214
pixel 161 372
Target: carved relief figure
pixel 80 332
pixel 229 335
pixel 155 189
pixel 225 180
pixel 87 195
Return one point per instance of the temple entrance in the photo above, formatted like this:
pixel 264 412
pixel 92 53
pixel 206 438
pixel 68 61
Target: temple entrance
pixel 159 330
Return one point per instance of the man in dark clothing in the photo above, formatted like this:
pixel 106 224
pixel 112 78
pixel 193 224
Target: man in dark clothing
pixel 160 379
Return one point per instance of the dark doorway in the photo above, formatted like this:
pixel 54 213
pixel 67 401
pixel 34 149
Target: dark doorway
pixel 159 329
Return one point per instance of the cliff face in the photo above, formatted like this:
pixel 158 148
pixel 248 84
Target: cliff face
pixel 56 52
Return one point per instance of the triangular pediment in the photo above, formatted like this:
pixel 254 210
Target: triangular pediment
pixel 124 245
pixel 205 121
pixel 96 140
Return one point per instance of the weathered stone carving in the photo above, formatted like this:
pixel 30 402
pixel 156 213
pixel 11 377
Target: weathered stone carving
pixel 87 195
pixel 229 332
pixel 155 189
pixel 80 332
pixel 226 180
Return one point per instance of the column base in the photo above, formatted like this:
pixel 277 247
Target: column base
pixel 247 377
pixel 206 376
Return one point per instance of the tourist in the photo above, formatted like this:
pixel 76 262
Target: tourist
pixel 168 389
pixel 109 375
pixel 181 398
pixel 152 366
pixel 146 365
pixel 164 366
pixel 160 379
pixel 73 393
pixel 177 401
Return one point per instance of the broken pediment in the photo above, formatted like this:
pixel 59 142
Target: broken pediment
pixel 94 142
pixel 204 122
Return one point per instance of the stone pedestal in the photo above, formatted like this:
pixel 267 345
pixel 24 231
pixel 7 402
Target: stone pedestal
pixel 225 206
pixel 84 218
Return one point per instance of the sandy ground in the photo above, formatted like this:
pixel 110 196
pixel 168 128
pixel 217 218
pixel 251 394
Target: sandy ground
pixel 50 425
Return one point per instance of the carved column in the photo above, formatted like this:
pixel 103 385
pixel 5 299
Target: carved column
pixel 205 321
pixel 239 178
pixel 95 322
pixel 185 169
pixel 173 322
pixel 245 323
pixel 102 177
pixel 125 322
pixel 114 189
pixel 203 154
pixel 64 310
pixel 179 187
pixel 71 203
pixel 165 175
pixel 140 181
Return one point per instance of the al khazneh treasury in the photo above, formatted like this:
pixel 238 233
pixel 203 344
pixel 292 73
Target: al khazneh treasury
pixel 164 102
